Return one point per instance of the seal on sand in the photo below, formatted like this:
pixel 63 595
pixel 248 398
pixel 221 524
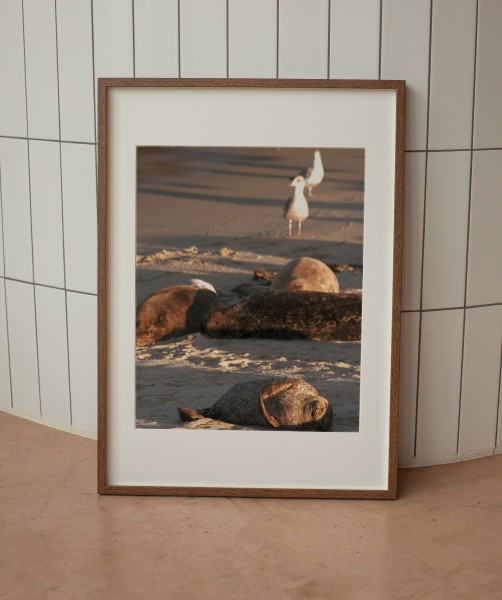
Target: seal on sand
pixel 173 311
pixel 290 315
pixel 306 274
pixel 289 403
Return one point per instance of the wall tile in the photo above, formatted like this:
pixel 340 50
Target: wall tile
pixel 413 219
pixel 41 68
pixel 410 324
pixel 439 384
pixel 53 355
pixel 76 94
pixel 79 210
pixel 156 38
pixel 488 101
pixel 203 38
pixel 355 39
pixel 452 74
pixel 252 38
pixel 303 38
pixel 82 343
pixel 113 38
pixel 46 213
pixel 445 240
pixel 484 284
pixel 405 55
pixel 113 41
pixel 16 209
pixel 23 348
pixel 1 226
pixel 480 379
pixel 13 108
pixel 5 391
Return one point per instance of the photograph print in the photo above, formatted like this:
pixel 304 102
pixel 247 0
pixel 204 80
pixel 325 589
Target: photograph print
pixel 249 270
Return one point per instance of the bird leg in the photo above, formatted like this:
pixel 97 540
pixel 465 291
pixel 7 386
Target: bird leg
pixel 299 228
pixel 290 223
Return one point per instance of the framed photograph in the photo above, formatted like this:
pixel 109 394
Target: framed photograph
pixel 249 287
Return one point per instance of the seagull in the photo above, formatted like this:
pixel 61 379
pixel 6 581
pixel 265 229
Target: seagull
pixel 314 174
pixel 296 207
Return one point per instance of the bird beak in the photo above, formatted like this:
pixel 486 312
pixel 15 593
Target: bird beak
pixel 291 184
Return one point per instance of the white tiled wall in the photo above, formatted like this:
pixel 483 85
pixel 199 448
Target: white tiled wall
pixel 452 74
pixel 252 38
pixel 203 40
pixel 440 369
pixel 355 32
pixel 20 301
pixel 46 213
pixel 76 70
pixel 480 379
pixel 5 391
pixel 41 68
pixel 303 39
pixel 53 355
pixel 79 205
pixel 156 38
pixel 405 55
pixel 449 51
pixel 445 236
pixel 12 74
pixel 82 349
pixel 16 210
pixel 487 121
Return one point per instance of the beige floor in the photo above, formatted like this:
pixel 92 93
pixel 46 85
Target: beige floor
pixel 58 540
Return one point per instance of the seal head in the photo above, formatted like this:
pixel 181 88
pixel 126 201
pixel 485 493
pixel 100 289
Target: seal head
pixel 306 274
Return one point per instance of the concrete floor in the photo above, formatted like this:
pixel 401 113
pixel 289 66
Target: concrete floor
pixel 59 540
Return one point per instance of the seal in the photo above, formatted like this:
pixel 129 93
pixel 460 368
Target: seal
pixel 289 403
pixel 172 312
pixel 289 315
pixel 307 275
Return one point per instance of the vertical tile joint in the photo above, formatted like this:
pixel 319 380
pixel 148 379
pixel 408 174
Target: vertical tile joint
pixel 468 227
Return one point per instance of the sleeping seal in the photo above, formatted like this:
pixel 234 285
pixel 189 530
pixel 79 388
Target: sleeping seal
pixel 307 275
pixel 172 312
pixel 289 403
pixel 290 315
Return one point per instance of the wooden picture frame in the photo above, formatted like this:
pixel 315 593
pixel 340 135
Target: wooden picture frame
pixel 130 114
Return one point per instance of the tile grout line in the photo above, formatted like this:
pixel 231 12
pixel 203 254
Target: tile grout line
pixel 380 42
pixel 31 214
pixel 34 139
pixel 445 308
pixel 329 40
pixel 462 356
pixel 277 40
pixel 133 42
pixel 62 214
pixel 454 150
pixel 5 289
pixel 420 324
pixel 179 39
pixel 46 285
pixel 227 32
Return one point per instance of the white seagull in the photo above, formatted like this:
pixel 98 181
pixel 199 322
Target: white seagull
pixel 296 207
pixel 314 174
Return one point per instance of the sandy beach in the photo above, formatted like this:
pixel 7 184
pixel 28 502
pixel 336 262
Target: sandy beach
pixel 216 214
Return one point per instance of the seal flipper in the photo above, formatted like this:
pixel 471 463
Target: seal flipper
pixel 191 414
pixel 272 389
